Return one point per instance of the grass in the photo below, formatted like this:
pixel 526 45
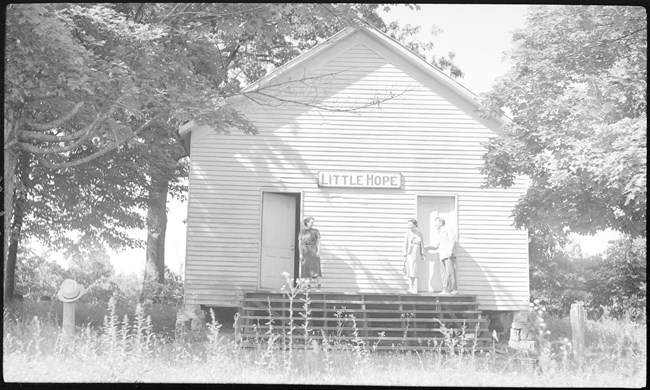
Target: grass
pixel 128 346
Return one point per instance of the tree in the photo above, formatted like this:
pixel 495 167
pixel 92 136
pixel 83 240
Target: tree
pixel 91 266
pixel 559 273
pixel 65 104
pixel 577 97
pixel 37 276
pixel 620 279
pixel 404 34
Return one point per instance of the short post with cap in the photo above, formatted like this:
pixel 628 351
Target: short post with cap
pixel 69 292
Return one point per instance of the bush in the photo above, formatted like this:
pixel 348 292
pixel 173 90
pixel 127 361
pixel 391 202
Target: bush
pixel 616 281
pixel 558 273
pixel 619 280
pixel 36 276
pixel 168 293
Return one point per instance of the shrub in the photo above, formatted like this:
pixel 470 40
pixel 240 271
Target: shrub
pixel 619 280
pixel 36 276
pixel 168 293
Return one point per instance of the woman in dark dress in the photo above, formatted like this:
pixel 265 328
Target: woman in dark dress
pixel 309 249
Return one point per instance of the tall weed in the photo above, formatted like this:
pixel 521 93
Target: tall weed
pixel 123 350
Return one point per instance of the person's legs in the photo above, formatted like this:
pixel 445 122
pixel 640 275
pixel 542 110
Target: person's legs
pixel 452 275
pixel 446 275
pixel 412 285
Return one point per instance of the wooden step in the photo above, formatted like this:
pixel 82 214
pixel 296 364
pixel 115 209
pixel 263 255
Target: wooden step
pixel 401 318
pixel 348 295
pixel 351 305
pixel 381 319
pixel 376 341
pixel 365 332
pixel 398 312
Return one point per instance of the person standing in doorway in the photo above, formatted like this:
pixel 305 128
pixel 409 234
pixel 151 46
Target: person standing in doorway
pixel 446 246
pixel 309 249
pixel 413 253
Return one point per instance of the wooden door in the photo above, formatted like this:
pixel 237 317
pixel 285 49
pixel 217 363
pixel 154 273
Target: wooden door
pixel 278 239
pixel 429 208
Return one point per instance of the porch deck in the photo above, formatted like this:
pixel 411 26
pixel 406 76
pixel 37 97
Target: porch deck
pixel 378 321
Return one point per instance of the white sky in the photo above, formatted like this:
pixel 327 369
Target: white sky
pixel 478 34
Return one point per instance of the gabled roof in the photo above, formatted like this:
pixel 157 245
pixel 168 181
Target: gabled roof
pixel 377 36
pixel 372 31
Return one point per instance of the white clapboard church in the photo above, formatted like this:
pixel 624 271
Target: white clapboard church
pixel 361 134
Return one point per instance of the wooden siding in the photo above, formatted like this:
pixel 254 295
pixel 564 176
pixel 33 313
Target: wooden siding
pixel 436 147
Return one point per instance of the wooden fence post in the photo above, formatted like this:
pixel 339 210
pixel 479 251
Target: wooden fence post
pixel 578 331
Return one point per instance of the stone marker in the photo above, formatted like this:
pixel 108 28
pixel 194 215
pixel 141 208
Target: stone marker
pixel 69 292
pixel 523 332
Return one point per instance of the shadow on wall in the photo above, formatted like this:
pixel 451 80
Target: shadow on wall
pixel 386 275
pixel 497 286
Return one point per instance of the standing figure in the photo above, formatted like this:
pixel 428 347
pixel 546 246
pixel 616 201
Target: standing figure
pixel 309 249
pixel 413 253
pixel 446 246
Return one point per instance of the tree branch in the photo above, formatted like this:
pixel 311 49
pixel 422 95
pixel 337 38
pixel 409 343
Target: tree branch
pixel 207 15
pixel 36 150
pixel 174 9
pixel 99 153
pixel 39 137
pixel 57 122
pixel 33 98
pixel 374 102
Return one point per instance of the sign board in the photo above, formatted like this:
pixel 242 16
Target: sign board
pixel 359 179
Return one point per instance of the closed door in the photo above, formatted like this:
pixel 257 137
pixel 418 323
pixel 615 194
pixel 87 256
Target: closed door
pixel 278 239
pixel 429 208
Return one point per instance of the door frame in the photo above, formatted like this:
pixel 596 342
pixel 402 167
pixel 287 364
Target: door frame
pixel 432 266
pixel 298 195
pixel 441 195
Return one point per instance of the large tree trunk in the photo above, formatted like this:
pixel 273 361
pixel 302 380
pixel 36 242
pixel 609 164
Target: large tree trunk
pixel 20 204
pixel 13 234
pixel 156 227
pixel 9 268
pixel 10 161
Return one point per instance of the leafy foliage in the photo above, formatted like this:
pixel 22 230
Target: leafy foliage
pixel 612 283
pixel 620 279
pixel 168 293
pixel 558 272
pixel 37 277
pixel 577 97
pixel 405 35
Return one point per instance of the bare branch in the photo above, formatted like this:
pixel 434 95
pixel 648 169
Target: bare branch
pixel 302 80
pixel 342 108
pixel 57 122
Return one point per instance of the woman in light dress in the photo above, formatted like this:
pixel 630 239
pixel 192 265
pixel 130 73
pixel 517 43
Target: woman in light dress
pixel 413 253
